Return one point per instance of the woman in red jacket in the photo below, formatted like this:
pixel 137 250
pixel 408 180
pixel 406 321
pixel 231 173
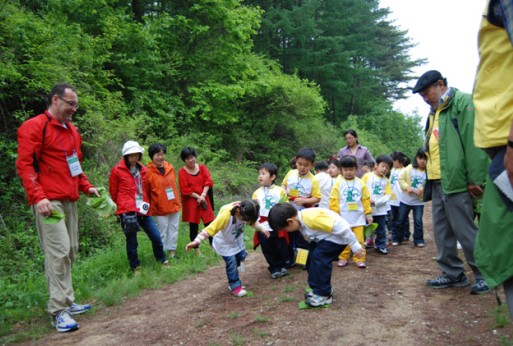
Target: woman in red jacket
pixel 163 196
pixel 127 190
pixel 195 182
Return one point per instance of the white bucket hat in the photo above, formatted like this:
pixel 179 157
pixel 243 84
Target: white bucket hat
pixel 131 147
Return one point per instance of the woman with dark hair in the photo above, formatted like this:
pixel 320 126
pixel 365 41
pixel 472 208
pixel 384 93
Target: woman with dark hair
pixel 354 148
pixel 195 183
pixel 127 189
pixel 163 196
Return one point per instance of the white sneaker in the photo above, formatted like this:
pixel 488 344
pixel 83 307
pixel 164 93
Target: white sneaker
pixel 63 322
pixel 239 291
pixel 77 309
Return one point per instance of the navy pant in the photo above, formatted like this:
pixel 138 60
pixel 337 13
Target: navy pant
pixel 381 231
pixel 319 265
pixel 275 251
pixel 149 227
pixel 418 228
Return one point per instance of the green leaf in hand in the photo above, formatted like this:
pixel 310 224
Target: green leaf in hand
pixel 53 219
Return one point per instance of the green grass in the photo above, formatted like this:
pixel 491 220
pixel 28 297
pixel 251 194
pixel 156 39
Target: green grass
pixel 233 315
pixel 103 279
pixel 261 319
pixel 501 316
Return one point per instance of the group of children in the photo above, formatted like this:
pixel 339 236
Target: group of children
pixel 321 216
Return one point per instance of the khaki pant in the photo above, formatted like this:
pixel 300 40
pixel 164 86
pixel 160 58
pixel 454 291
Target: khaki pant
pixel 59 243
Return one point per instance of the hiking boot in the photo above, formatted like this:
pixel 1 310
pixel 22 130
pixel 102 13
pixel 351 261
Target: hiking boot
pixel 276 275
pixel 479 286
pixel 342 263
pixel 382 251
pixel 443 281
pixel 77 309
pixel 316 301
pixel 239 291
pixel 63 322
pixel 284 272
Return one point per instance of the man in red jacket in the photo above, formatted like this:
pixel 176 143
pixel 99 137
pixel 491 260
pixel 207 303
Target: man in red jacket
pixel 49 165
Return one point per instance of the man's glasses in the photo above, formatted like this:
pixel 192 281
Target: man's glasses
pixel 70 103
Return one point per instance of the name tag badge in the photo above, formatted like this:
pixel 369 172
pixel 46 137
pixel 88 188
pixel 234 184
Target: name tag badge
pixel 170 194
pixel 138 201
pixel 294 193
pixel 74 165
pixel 352 206
pixel 302 256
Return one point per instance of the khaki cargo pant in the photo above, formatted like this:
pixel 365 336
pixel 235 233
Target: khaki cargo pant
pixel 59 243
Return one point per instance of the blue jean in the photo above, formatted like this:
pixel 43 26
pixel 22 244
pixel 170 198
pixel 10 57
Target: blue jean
pixel 395 225
pixel 149 227
pixel 319 265
pixel 418 228
pixel 381 231
pixel 232 262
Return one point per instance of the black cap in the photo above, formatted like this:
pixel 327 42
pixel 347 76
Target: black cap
pixel 427 79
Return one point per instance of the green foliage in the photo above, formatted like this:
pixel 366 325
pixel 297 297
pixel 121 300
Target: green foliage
pixel 184 73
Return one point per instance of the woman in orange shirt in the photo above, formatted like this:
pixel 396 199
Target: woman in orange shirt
pixel 163 196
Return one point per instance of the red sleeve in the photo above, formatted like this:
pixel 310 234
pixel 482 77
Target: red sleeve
pixel 185 186
pixel 207 179
pixel 83 183
pixel 29 146
pixel 113 185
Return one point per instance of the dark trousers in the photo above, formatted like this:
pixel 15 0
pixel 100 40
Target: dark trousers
pixel 193 231
pixel 319 265
pixel 381 231
pixel 149 227
pixel 275 251
pixel 418 228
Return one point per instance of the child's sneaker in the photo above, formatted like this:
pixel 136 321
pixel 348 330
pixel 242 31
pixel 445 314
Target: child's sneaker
pixel 63 322
pixel 284 272
pixel 316 301
pixel 77 309
pixel 276 275
pixel 239 291
pixel 360 265
pixel 309 294
pixel 342 263
pixel 369 243
pixel 382 250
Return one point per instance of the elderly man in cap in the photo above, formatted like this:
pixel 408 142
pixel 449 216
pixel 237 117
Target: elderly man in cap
pixel 456 172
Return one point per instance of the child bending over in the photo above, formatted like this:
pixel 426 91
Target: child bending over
pixel 327 233
pixel 227 230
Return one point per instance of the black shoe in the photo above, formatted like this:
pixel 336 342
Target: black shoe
pixel 443 281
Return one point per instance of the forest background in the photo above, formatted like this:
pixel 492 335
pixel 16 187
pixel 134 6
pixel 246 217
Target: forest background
pixel 243 82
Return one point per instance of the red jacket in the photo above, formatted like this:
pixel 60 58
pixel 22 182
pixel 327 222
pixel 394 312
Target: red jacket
pixel 53 180
pixel 122 187
pixel 156 184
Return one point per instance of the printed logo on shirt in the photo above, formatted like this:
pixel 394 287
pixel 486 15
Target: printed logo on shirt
pixel 300 189
pixel 238 230
pixel 377 188
pixel 393 179
pixel 351 194
pixel 270 201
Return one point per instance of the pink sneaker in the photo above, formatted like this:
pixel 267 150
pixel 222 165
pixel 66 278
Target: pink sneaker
pixel 342 263
pixel 361 265
pixel 239 291
pixel 369 243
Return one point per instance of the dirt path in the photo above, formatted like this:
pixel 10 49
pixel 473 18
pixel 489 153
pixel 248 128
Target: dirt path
pixel 386 304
